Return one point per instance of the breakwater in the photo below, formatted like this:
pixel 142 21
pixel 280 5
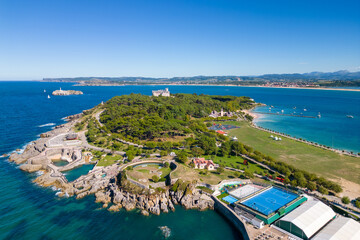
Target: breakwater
pixel 231 216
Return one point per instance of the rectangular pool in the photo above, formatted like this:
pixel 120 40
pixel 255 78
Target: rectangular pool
pixel 230 199
pixel 270 200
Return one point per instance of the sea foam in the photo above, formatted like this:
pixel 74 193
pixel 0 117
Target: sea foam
pixel 47 125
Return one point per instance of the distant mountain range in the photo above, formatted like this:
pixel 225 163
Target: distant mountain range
pixel 343 75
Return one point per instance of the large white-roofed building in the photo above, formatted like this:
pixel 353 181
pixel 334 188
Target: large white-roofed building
pixel 341 228
pixel 307 219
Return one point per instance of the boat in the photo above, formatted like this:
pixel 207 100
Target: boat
pixel 44 90
pixel 282 111
pixel 319 115
pixel 349 116
pixel 48 96
pixel 305 110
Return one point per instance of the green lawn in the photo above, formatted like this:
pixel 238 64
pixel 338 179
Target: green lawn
pixel 108 160
pixel 312 159
pixel 237 162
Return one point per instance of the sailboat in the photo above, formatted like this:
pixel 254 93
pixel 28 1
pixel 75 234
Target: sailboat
pixel 44 90
pixel 48 96
pixel 319 115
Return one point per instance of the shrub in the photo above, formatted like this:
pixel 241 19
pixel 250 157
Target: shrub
pixel 155 178
pixel 345 200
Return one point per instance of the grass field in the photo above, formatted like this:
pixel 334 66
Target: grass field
pixel 303 156
pixel 237 162
pixel 147 172
pixel 108 160
pixel 189 174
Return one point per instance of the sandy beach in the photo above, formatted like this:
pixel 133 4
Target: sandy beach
pixel 254 115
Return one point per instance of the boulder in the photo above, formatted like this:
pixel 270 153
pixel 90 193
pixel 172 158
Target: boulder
pixel 144 212
pixel 31 167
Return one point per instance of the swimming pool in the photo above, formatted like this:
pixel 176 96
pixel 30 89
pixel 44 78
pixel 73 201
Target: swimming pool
pixel 270 200
pixel 230 199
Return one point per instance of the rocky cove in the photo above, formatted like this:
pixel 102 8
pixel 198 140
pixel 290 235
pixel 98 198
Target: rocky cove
pixel 108 184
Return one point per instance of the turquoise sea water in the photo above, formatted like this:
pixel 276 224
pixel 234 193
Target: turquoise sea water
pixel 30 212
pixel 75 173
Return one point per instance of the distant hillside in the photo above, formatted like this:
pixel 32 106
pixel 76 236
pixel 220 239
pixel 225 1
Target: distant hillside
pixel 314 77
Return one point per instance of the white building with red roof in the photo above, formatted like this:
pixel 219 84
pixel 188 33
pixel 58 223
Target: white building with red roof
pixel 201 163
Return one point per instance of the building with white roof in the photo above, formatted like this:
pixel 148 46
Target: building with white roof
pixel 307 219
pixel 163 93
pixel 341 228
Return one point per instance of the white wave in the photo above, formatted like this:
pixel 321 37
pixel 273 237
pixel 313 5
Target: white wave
pixel 39 173
pixel 47 125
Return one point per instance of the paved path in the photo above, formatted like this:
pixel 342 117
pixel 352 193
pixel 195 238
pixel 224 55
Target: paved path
pixel 97 116
pixel 87 145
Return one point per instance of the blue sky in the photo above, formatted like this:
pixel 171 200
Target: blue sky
pixel 166 38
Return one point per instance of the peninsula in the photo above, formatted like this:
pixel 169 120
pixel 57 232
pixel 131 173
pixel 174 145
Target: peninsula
pixel 153 152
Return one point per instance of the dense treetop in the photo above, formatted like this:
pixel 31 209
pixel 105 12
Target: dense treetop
pixel 147 117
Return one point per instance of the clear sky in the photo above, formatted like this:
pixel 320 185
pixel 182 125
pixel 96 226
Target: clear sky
pixel 166 38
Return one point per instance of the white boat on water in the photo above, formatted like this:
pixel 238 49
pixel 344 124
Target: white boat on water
pixel 305 109
pixel 48 96
pixel 44 90
pixel 319 115
pixel 349 116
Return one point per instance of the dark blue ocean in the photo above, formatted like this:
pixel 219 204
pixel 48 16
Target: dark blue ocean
pixel 30 212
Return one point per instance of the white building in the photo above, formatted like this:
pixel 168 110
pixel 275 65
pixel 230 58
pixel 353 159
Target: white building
pixel 163 93
pixel 201 163
pixel 307 219
pixel 216 114
pixel 341 228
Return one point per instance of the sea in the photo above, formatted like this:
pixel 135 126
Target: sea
pixel 28 211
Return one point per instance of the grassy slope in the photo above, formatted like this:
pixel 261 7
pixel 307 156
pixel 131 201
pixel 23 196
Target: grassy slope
pixel 300 155
pixel 237 162
pixel 109 160
pixel 189 174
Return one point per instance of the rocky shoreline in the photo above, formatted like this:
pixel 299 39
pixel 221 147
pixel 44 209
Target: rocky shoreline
pixel 103 182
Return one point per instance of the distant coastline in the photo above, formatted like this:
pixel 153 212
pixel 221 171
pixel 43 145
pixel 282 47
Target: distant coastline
pixel 215 85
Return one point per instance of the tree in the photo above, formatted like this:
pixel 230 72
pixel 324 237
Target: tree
pixel 225 148
pixel 345 200
pixel 248 173
pixel 237 148
pixel 286 180
pixel 237 174
pixel 311 186
pixel 208 144
pixel 357 203
pixel 182 157
pixel 294 183
pixel 167 146
pixel 155 178
pixel 166 164
pixel 130 154
pixel 196 151
pixel 323 190
pixel 220 170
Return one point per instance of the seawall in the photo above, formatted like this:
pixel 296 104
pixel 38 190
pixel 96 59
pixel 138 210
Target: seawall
pixel 232 217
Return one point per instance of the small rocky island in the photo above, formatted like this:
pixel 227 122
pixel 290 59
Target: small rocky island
pixel 61 92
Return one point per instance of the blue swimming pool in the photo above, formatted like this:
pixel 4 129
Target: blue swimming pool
pixel 230 199
pixel 270 200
